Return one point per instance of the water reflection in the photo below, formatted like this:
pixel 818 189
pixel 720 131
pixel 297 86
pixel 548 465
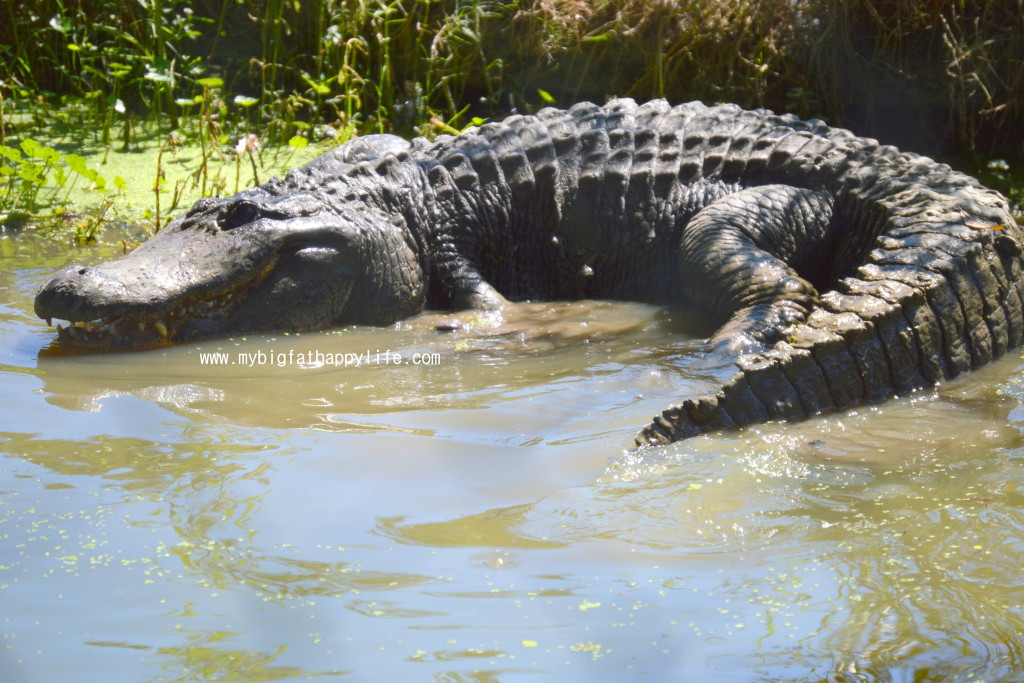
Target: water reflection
pixel 373 376
pixel 204 656
pixel 841 561
pixel 920 533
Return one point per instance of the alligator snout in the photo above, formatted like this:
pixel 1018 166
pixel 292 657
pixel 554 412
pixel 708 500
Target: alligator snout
pixel 78 293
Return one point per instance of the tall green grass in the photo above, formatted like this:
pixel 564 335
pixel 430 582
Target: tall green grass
pixel 113 74
pixel 360 65
pixel 365 65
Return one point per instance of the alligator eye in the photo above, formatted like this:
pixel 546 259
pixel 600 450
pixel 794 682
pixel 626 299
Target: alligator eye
pixel 239 214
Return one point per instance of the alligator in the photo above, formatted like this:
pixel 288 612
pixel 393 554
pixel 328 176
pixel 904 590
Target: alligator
pixel 843 271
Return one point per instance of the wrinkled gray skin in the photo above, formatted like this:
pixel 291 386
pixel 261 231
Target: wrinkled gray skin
pixel 843 271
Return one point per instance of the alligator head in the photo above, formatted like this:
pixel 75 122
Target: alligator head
pixel 266 259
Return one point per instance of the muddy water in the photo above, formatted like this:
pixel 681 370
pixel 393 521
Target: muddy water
pixel 334 505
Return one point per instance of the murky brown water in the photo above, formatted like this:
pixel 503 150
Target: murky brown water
pixel 177 516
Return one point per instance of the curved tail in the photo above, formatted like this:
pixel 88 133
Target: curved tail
pixel 941 293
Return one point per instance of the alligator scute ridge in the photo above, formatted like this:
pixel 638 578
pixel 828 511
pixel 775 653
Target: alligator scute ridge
pixel 846 271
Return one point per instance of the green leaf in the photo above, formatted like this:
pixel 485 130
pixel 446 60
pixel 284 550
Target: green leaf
pixel 31 174
pixel 245 100
pixel 48 154
pixel 10 152
pixel 30 147
pixel 318 88
pixel 76 163
pixel 120 183
pixel 546 96
pixel 211 82
pixel 298 142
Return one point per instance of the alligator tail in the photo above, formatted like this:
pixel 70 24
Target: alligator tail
pixel 940 293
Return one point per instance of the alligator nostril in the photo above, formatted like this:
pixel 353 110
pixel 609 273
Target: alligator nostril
pixel 83 271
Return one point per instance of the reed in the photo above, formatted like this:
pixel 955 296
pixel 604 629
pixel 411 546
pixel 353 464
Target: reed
pixel 315 69
pixel 377 65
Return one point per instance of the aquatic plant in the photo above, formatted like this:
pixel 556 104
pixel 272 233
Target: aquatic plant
pixel 34 176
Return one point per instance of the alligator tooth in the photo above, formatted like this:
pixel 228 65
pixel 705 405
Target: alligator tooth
pixel 78 323
pixel 142 326
pixel 161 328
pixel 49 321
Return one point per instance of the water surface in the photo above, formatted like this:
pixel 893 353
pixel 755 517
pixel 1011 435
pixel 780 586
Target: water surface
pixel 173 515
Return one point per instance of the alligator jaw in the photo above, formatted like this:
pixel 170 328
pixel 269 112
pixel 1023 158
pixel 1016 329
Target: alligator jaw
pixel 127 329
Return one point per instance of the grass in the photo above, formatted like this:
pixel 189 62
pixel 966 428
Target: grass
pixel 165 78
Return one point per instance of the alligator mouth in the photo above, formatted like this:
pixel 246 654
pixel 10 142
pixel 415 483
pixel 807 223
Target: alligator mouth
pixel 130 329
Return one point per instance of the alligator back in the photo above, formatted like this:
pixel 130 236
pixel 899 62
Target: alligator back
pixel 592 201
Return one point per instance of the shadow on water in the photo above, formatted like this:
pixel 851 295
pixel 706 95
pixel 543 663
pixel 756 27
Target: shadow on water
pixel 367 379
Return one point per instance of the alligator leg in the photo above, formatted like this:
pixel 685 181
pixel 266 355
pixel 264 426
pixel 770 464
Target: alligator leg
pixel 740 260
pixel 477 295
pixel 741 257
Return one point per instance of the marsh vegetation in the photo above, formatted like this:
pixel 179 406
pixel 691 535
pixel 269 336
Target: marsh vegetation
pixel 199 92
